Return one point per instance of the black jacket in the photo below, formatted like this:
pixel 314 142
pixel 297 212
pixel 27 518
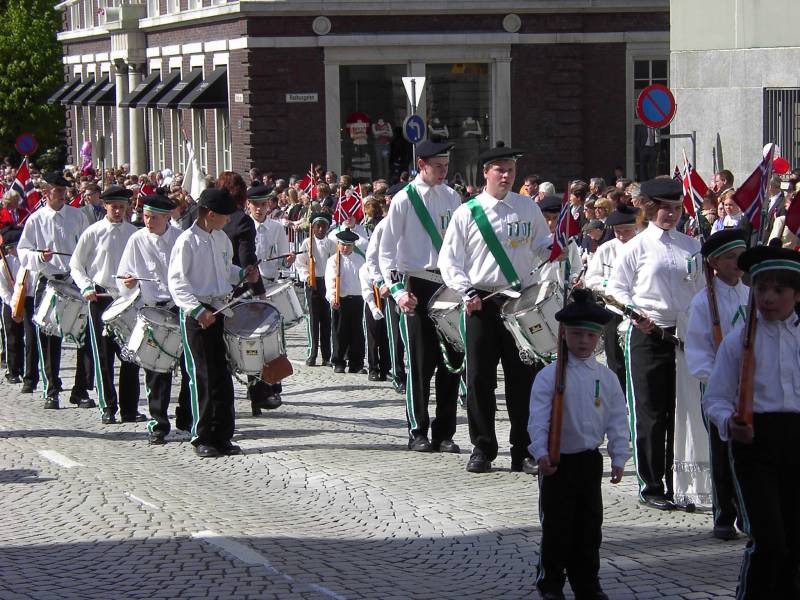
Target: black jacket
pixel 242 232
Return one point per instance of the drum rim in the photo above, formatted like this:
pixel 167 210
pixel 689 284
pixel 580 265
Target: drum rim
pixel 247 303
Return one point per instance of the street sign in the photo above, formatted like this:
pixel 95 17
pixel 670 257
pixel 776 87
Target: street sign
pixel 414 87
pixel 26 144
pixel 656 106
pixel 414 129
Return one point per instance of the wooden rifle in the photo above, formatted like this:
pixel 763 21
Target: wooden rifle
pixel 637 316
pixel 18 297
pixel 312 272
pixel 716 327
pixel 6 268
pixel 557 408
pixel 337 295
pixel 744 410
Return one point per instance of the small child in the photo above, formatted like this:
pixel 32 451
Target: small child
pixel 348 332
pixel 570 500
pixel 377 339
pixel 766 454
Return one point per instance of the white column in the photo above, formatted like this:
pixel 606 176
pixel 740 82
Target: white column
pixel 123 122
pixel 333 121
pixel 501 101
pixel 138 153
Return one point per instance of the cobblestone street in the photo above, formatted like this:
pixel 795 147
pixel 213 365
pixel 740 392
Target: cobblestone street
pixel 325 503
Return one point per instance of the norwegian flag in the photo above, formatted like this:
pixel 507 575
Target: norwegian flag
pixel 309 183
pixel 350 205
pixel 566 227
pixel 793 217
pixel 24 187
pixel 694 189
pixel 676 174
pixel 750 196
pixel 77 201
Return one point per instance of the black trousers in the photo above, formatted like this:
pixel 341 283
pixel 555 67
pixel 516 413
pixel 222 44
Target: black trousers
pixel 319 320
pixel 723 491
pixel 104 349
pixel 571 515
pixel 652 403
pixel 615 357
pixel 210 381
pixel 159 391
pixel 766 472
pixel 396 350
pixel 378 357
pixel 423 358
pixel 348 333
pixel 22 351
pixel 258 390
pixel 490 343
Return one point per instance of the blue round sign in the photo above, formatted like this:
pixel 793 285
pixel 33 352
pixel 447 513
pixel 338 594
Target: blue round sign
pixel 656 106
pixel 26 144
pixel 414 129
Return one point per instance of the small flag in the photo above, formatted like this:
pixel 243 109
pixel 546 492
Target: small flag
pixel 793 217
pixel 694 189
pixel 566 227
pixel 24 187
pixel 350 205
pixel 308 184
pixel 750 196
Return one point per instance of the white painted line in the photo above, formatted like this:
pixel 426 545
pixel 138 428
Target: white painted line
pixel 298 363
pixel 141 501
pixel 249 556
pixel 59 459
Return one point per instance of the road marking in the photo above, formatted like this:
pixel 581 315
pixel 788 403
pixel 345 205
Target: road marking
pixel 141 501
pixel 59 459
pixel 249 556
pixel 299 363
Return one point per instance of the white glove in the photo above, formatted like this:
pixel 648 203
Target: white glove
pixel 377 314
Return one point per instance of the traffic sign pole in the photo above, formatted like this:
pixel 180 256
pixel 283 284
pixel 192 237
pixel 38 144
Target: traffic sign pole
pixel 413 112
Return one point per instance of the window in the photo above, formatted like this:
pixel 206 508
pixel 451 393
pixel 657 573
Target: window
pixel 158 159
pixel 178 147
pixel 107 133
pixel 223 130
pixel 79 137
pixel 195 4
pixel 152 8
pixel 75 16
pixel 173 6
pixel 651 149
pixel 200 138
pixel 782 121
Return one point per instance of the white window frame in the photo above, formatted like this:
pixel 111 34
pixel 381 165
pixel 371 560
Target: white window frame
pixel 177 143
pixel 157 142
pixel 75 17
pixel 200 138
pixel 173 7
pixel 153 9
pixel 195 4
pixel 222 128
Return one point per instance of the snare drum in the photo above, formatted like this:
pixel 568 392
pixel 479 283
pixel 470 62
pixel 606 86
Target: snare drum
pixel 155 342
pixel 253 336
pixel 531 319
pixel 62 311
pixel 444 309
pixel 283 297
pixel 120 318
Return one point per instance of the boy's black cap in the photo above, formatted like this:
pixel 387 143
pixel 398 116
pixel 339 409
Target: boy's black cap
pixel 584 312
pixel 724 240
pixel 550 204
pixel 662 189
pixel 498 153
pixel 769 258
pixel 623 215
pixel 217 199
pixel 116 193
pixel 346 236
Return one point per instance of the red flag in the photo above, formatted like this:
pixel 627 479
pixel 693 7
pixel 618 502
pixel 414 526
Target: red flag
pixel 566 227
pixel 24 187
pixel 750 196
pixel 77 201
pixel 308 184
pixel 694 189
pixel 349 205
pixel 793 217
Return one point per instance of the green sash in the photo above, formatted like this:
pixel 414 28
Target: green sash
pixel 424 216
pixel 482 221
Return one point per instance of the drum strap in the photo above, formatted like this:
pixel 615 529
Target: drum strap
pixel 489 236
pixel 424 216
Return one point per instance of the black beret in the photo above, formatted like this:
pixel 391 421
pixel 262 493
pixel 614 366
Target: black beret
pixel 724 240
pixel 56 179
pixel 11 237
pixel 346 236
pixel 594 224
pixel 499 152
pixel 218 200
pixel 434 147
pixel 116 193
pixel 550 204
pixel 321 216
pixel 584 312
pixel 396 188
pixel 662 189
pixel 259 193
pixel 624 215
pixel 769 258
pixel 158 203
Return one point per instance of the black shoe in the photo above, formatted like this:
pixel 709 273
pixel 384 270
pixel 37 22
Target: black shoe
pixel 382 377
pixel 272 402
pixel 373 376
pixel 87 403
pixel 526 465
pixel 28 388
pixel 182 425
pixel 446 446
pixel 135 418
pixel 325 362
pixel 399 386
pixel 77 399
pixel 338 369
pixel 256 411
pixel 357 370
pixel 108 418
pixel 229 449
pixel 725 532
pixel 13 378
pixel 420 444
pixel 311 362
pixel 478 463
pixel 204 451
pixel 657 502
pixel 51 403
pixel 156 439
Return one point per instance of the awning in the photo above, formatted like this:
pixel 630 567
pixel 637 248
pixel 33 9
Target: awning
pixel 105 93
pixel 212 93
pixel 144 86
pixel 68 86
pixel 83 99
pixel 69 99
pixel 155 94
pixel 186 85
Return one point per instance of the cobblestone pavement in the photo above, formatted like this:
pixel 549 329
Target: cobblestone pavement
pixel 325 503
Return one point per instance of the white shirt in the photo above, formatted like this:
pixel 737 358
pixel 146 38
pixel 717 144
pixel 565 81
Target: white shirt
pixel 201 268
pixel 405 245
pixel 699 342
pixel 6 288
pixel 147 255
pixel 323 250
pixel 776 385
pixel 652 274
pixel 367 291
pixel 588 384
pixel 271 241
pixel 466 261
pixel 373 252
pixel 97 255
pixel 349 283
pixel 54 230
pixel 600 266
pixel 554 271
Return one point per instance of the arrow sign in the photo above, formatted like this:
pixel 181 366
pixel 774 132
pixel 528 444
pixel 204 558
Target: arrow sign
pixel 414 92
pixel 414 129
pixel 656 106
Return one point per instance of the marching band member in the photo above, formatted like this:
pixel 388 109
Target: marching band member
pixel 377 340
pixel 146 257
pixel 270 241
pixel 765 455
pixel 201 274
pixel 570 500
pixel 54 228
pixel 319 310
pixel 343 292
pixel 722 250
pixel 656 273
pixel 93 267
pixel 494 241
pixel 408 254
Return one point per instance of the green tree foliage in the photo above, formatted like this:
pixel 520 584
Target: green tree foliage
pixel 30 71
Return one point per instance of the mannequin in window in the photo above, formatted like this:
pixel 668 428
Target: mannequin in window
pixel 471 133
pixel 382 133
pixel 648 141
pixel 438 129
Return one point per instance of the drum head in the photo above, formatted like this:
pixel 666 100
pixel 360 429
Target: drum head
pixel 118 306
pixel 276 288
pixel 253 319
pixel 444 299
pixel 159 316
pixel 529 297
pixel 66 289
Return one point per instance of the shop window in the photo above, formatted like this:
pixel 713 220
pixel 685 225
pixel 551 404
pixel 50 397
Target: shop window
pixel 651 148
pixel 223 131
pixel 200 135
pixel 178 146
pixel 157 140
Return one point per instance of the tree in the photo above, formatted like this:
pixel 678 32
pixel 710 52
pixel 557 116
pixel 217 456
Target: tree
pixel 30 71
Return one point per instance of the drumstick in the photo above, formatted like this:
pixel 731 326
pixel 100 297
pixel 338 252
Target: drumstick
pixel 54 252
pixel 506 290
pixel 137 278
pixel 246 296
pixel 281 256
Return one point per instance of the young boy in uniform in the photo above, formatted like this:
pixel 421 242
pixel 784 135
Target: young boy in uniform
pixel 377 339
pixel 570 500
pixel 348 333
pixel 766 454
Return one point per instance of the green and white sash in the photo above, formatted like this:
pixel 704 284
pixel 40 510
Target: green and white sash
pixel 494 245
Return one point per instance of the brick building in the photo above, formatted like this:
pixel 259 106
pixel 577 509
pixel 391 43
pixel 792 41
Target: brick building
pixel 279 84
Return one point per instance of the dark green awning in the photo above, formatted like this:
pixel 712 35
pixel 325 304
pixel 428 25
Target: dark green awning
pixel 157 92
pixel 144 86
pixel 211 93
pixel 184 87
pixel 65 89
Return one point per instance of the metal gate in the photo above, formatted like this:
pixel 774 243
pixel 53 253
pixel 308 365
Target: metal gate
pixel 782 121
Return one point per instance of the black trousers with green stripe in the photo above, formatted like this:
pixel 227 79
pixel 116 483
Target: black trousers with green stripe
pixel 396 349
pixel 377 343
pixel 348 333
pixel 319 316
pixel 210 381
pixel 22 351
pixel 159 392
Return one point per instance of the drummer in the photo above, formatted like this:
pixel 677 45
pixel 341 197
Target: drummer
pixel 93 266
pixel 478 260
pixel 144 267
pixel 271 241
pixel 200 277
pixel 53 228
